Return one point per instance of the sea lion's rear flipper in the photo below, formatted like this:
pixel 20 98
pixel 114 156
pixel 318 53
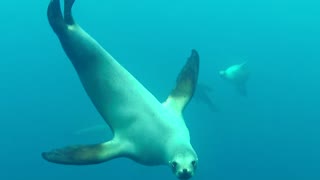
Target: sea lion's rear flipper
pixel 185 84
pixel 202 94
pixel 204 87
pixel 67 11
pixel 84 154
pixel 57 21
pixel 213 107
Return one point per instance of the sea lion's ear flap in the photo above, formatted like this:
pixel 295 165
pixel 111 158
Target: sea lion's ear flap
pixel 185 84
pixel 83 154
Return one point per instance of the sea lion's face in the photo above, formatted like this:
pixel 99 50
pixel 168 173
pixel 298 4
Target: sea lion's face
pixel 184 165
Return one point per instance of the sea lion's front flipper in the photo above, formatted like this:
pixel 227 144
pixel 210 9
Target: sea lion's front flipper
pixel 242 89
pixel 185 84
pixel 244 74
pixel 84 154
pixel 244 67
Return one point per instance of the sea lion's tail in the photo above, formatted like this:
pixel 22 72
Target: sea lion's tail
pixel 57 21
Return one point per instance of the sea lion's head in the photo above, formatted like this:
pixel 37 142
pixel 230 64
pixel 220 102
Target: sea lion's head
pixel 184 165
pixel 222 74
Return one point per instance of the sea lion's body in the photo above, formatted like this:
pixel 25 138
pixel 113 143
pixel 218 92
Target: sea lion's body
pixel 145 130
pixel 238 75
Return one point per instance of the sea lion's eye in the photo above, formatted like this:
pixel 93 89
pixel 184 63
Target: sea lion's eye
pixel 174 164
pixel 194 163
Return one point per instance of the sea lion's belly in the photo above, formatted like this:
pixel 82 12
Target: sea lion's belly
pixel 116 94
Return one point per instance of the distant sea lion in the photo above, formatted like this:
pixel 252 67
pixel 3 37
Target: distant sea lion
pixel 238 75
pixel 145 130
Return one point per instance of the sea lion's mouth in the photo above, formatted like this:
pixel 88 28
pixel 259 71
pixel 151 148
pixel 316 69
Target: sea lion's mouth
pixel 184 175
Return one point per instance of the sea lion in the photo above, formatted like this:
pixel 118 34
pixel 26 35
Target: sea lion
pixel 238 75
pixel 144 129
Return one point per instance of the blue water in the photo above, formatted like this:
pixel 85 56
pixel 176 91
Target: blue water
pixel 271 134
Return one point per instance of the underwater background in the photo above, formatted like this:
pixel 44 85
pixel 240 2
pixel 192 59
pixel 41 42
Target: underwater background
pixel 273 133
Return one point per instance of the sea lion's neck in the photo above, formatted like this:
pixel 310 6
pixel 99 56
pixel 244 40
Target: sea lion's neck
pixel 179 146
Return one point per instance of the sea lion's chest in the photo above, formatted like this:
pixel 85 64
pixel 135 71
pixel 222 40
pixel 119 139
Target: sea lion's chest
pixel 151 133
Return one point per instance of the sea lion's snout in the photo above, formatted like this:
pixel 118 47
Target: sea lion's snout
pixel 184 166
pixel 185 174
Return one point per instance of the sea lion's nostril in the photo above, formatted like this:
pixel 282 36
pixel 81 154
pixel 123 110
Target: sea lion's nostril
pixel 185 174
